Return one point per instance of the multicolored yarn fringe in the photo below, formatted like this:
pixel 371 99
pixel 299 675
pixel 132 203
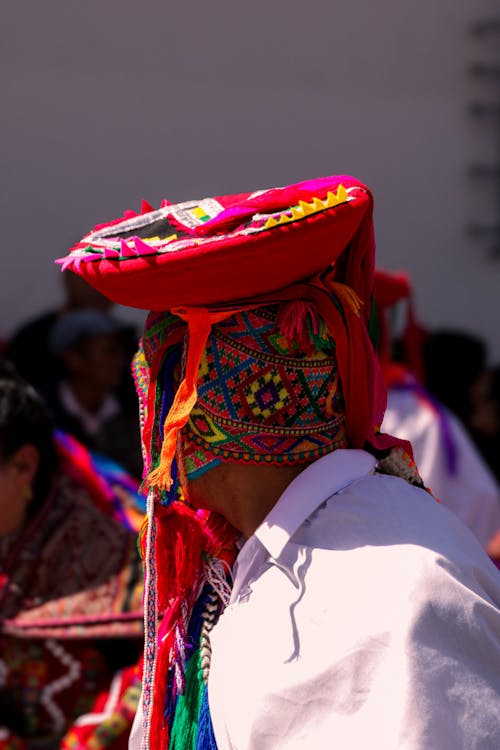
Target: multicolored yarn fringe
pixel 190 723
pixel 190 555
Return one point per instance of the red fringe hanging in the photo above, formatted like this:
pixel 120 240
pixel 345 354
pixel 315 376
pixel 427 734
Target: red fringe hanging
pixel 183 538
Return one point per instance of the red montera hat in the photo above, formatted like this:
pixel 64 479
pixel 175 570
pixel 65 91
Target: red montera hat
pixel 205 259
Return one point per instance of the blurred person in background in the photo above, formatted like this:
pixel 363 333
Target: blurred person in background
pixel 29 349
pixel 447 459
pixel 35 360
pixel 87 399
pixel 70 588
pixel 455 366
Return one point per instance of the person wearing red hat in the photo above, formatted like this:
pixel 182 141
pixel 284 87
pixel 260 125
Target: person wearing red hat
pixel 302 588
pixel 447 459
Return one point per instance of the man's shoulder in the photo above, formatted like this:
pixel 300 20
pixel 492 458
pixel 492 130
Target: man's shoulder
pixel 384 522
pixel 377 506
pixel 383 505
pixel 380 587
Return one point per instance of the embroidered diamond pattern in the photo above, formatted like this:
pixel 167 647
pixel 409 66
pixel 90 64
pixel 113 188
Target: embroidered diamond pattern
pixel 266 395
pixel 206 428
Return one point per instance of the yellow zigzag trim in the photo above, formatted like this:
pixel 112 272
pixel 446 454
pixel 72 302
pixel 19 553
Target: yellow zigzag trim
pixel 307 209
pixel 170 238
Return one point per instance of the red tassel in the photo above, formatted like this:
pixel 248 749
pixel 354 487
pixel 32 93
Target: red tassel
pixel 292 322
pixel 182 538
pixel 179 545
pixel 221 538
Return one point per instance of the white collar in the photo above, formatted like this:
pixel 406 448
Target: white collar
pixel 319 481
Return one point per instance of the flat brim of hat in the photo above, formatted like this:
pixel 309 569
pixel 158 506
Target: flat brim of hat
pixel 233 266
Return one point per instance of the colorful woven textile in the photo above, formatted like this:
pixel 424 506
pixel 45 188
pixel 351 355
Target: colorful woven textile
pixel 72 573
pixel 108 724
pixel 70 592
pixel 261 401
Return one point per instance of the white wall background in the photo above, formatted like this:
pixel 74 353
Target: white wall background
pixel 105 102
